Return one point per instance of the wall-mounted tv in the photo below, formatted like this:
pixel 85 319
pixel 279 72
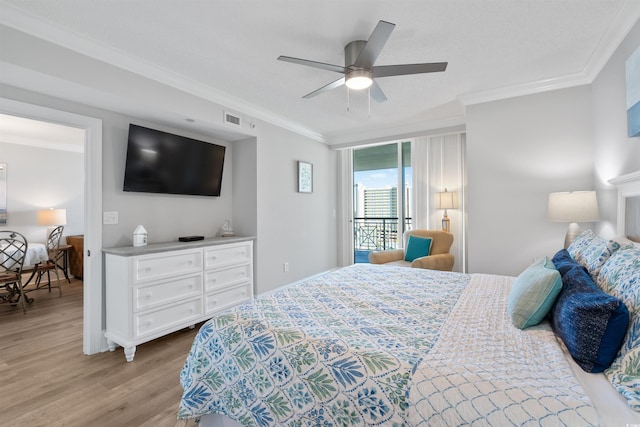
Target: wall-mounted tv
pixel 160 162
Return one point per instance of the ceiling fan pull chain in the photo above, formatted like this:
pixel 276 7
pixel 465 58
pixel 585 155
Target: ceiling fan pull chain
pixel 369 93
pixel 348 101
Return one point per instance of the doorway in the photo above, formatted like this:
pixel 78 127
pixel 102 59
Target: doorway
pixel 382 199
pixel 93 341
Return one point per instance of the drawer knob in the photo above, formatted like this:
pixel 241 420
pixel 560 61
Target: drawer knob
pixel 149 322
pixel 148 295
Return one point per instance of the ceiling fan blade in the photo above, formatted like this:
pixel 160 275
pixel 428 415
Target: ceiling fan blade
pixel 404 69
pixel 376 93
pixel 374 45
pixel 326 88
pixel 314 64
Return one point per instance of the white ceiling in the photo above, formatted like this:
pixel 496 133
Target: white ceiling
pixel 24 131
pixel 495 49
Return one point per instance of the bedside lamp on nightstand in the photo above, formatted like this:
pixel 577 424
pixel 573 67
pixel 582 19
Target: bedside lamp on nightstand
pixel 573 207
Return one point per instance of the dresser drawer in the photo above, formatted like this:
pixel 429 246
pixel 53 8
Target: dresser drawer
pixel 184 313
pixel 157 266
pixel 158 293
pixel 227 297
pixel 221 256
pixel 223 277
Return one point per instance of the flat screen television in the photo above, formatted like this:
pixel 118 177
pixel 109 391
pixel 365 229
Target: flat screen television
pixel 160 162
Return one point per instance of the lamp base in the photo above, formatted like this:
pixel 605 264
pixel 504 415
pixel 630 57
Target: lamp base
pixel 572 232
pixel 446 223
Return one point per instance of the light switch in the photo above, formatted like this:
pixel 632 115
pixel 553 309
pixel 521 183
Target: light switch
pixel 110 217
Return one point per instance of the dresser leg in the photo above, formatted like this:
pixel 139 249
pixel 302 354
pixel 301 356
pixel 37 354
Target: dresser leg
pixel 129 352
pixel 111 345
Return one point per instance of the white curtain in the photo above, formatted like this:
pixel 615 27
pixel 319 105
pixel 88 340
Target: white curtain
pixel 438 163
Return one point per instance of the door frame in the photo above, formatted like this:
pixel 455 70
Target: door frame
pixel 92 333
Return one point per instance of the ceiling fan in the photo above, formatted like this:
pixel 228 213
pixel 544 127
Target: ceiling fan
pixel 359 69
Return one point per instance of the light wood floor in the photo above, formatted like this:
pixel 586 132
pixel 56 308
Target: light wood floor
pixel 46 380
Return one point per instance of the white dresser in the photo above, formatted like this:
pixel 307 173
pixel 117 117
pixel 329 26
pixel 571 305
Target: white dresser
pixel 157 289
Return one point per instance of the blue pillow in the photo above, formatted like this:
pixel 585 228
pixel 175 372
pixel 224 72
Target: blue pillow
pixel 564 262
pixel 417 247
pixel 590 322
pixel 533 293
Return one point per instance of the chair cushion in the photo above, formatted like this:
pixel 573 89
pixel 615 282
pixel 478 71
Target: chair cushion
pixel 417 247
pixel 533 293
pixel 590 322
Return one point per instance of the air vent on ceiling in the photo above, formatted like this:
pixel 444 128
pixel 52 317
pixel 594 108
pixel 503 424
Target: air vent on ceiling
pixel 230 119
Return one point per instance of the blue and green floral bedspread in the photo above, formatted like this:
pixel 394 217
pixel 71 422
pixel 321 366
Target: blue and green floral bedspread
pixel 338 349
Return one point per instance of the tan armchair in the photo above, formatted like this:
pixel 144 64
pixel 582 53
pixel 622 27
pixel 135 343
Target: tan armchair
pixel 438 259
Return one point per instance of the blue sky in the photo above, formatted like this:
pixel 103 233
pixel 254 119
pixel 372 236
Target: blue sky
pixel 379 178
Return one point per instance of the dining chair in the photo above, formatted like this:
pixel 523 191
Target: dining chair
pixel 13 250
pixel 55 256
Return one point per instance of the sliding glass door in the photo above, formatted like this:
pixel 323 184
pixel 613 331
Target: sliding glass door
pixel 381 197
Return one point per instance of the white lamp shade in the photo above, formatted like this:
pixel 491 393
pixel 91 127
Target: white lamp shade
pixel 52 217
pixel 573 206
pixel 447 200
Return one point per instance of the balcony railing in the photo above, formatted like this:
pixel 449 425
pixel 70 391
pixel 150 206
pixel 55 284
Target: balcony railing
pixel 379 233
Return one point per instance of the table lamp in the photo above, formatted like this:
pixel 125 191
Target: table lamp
pixel 573 207
pixel 446 200
pixel 52 218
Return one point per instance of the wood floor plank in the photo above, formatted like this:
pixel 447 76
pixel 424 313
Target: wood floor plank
pixel 47 381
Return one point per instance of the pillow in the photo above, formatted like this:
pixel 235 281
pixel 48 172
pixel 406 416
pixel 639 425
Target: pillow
pixel 417 247
pixel 591 323
pixel 620 277
pixel 533 293
pixel 592 251
pixel 563 262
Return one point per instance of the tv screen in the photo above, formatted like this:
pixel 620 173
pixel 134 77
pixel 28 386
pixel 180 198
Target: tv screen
pixel 160 162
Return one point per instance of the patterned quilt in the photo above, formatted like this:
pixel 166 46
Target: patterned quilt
pixel 336 350
pixel 372 345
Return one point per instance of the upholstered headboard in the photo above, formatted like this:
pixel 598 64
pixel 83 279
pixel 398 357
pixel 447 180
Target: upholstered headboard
pixel 628 205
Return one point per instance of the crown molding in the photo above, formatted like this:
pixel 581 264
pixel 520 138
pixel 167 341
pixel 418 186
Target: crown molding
pixel 625 19
pixel 530 88
pixel 37 27
pixel 447 125
pixel 623 22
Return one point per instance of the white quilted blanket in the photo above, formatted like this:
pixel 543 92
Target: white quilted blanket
pixel 484 372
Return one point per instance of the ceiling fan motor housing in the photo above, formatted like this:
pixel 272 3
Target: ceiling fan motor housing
pixel 352 51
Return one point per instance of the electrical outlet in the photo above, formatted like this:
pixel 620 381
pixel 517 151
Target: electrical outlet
pixel 285 267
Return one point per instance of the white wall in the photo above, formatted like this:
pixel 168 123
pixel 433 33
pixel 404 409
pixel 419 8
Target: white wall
pixel 518 151
pixel 297 228
pixel 42 178
pixel 616 154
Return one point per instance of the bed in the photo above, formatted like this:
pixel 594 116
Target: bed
pixel 374 345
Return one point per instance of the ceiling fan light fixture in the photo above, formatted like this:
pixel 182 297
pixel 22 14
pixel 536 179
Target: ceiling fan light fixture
pixel 359 79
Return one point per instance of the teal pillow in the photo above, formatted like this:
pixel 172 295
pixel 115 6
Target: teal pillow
pixel 417 247
pixel 533 293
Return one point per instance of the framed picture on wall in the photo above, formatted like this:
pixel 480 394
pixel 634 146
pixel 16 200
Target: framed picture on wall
pixel 305 177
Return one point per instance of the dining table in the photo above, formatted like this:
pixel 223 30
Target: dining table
pixel 36 253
